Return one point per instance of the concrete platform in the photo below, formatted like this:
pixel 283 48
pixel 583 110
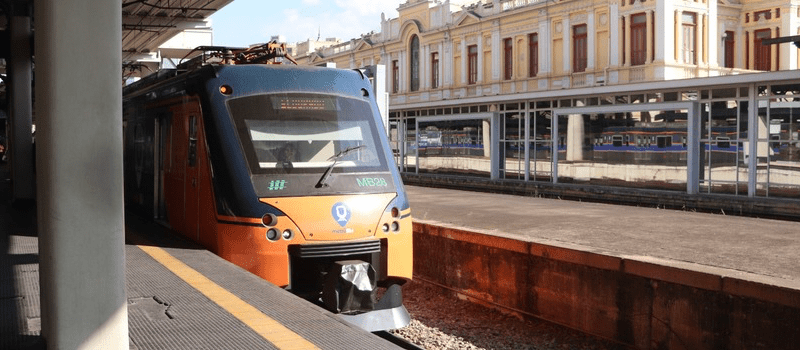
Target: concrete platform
pixel 762 247
pixel 180 296
pixel 647 278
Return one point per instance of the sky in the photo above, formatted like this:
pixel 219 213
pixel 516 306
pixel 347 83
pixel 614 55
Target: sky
pixel 246 22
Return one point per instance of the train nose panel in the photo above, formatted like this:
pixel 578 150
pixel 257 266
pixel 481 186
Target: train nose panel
pixel 330 218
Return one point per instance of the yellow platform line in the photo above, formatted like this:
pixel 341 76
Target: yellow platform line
pixel 271 330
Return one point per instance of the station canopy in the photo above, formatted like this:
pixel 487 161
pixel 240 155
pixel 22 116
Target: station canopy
pixel 148 24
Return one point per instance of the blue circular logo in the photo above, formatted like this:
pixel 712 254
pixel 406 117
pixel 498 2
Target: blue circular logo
pixel 341 213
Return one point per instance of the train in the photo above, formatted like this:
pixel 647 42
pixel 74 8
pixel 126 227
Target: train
pixel 662 143
pixel 283 170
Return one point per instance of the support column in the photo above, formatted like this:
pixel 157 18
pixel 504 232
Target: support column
pixel 575 135
pixel 614 36
pixel 701 39
pixel 678 36
pixel 479 79
pixel 627 49
pixel 591 38
pixel 665 29
pixel 404 72
pixel 497 162
pixel 487 138
pixel 20 108
pixel 464 60
pixel 650 18
pixel 566 49
pixel 79 163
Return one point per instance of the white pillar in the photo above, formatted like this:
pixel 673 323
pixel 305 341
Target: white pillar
pixel 628 49
pixel 404 73
pixel 650 18
pixel 545 42
pixel 678 37
pixel 447 65
pixel 614 39
pixel 20 107
pixel 487 138
pixel 575 135
pixel 480 58
pixel 789 52
pixel 591 38
pixel 425 72
pixel 497 50
pixel 713 35
pixel 79 174
pixel 464 60
pixel 665 29
pixel 566 50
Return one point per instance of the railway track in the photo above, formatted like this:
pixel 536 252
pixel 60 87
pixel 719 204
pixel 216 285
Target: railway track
pixel 399 341
pixel 441 319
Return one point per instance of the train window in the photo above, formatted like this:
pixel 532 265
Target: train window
pixel 723 142
pixel 664 141
pixel 304 133
pixel 616 140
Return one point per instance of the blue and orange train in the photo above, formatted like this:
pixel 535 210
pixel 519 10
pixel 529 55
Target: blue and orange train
pixel 284 170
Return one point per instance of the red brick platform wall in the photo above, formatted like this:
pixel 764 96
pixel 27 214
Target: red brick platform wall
pixel 645 304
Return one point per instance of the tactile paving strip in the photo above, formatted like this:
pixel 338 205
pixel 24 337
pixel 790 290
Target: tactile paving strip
pixel 203 324
pixel 196 323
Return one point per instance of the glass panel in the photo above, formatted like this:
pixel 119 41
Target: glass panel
pixel 644 149
pixel 540 153
pixel 513 138
pixel 763 150
pixel 395 140
pixel 724 93
pixel 783 162
pixel 410 158
pixel 454 147
pixel 723 147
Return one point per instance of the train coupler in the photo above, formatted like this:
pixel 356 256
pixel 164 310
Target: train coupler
pixel 350 291
pixel 349 287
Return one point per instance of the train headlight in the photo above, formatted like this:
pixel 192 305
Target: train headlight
pixel 288 234
pixel 395 226
pixel 272 234
pixel 395 212
pixel 269 219
pixel 385 227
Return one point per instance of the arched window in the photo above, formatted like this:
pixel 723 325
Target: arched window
pixel 414 49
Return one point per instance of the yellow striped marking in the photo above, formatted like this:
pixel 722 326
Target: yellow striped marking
pixel 268 328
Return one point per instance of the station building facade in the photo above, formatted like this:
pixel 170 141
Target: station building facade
pixel 666 95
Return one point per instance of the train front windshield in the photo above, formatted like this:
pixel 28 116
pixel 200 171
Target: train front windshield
pixel 300 144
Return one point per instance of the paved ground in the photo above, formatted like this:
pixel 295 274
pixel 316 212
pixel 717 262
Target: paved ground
pixel 768 249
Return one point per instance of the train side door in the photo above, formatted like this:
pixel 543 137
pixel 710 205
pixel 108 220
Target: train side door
pixel 181 185
pixel 192 183
pixel 174 169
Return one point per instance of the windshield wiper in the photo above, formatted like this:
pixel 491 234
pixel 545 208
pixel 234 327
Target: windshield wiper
pixel 335 158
